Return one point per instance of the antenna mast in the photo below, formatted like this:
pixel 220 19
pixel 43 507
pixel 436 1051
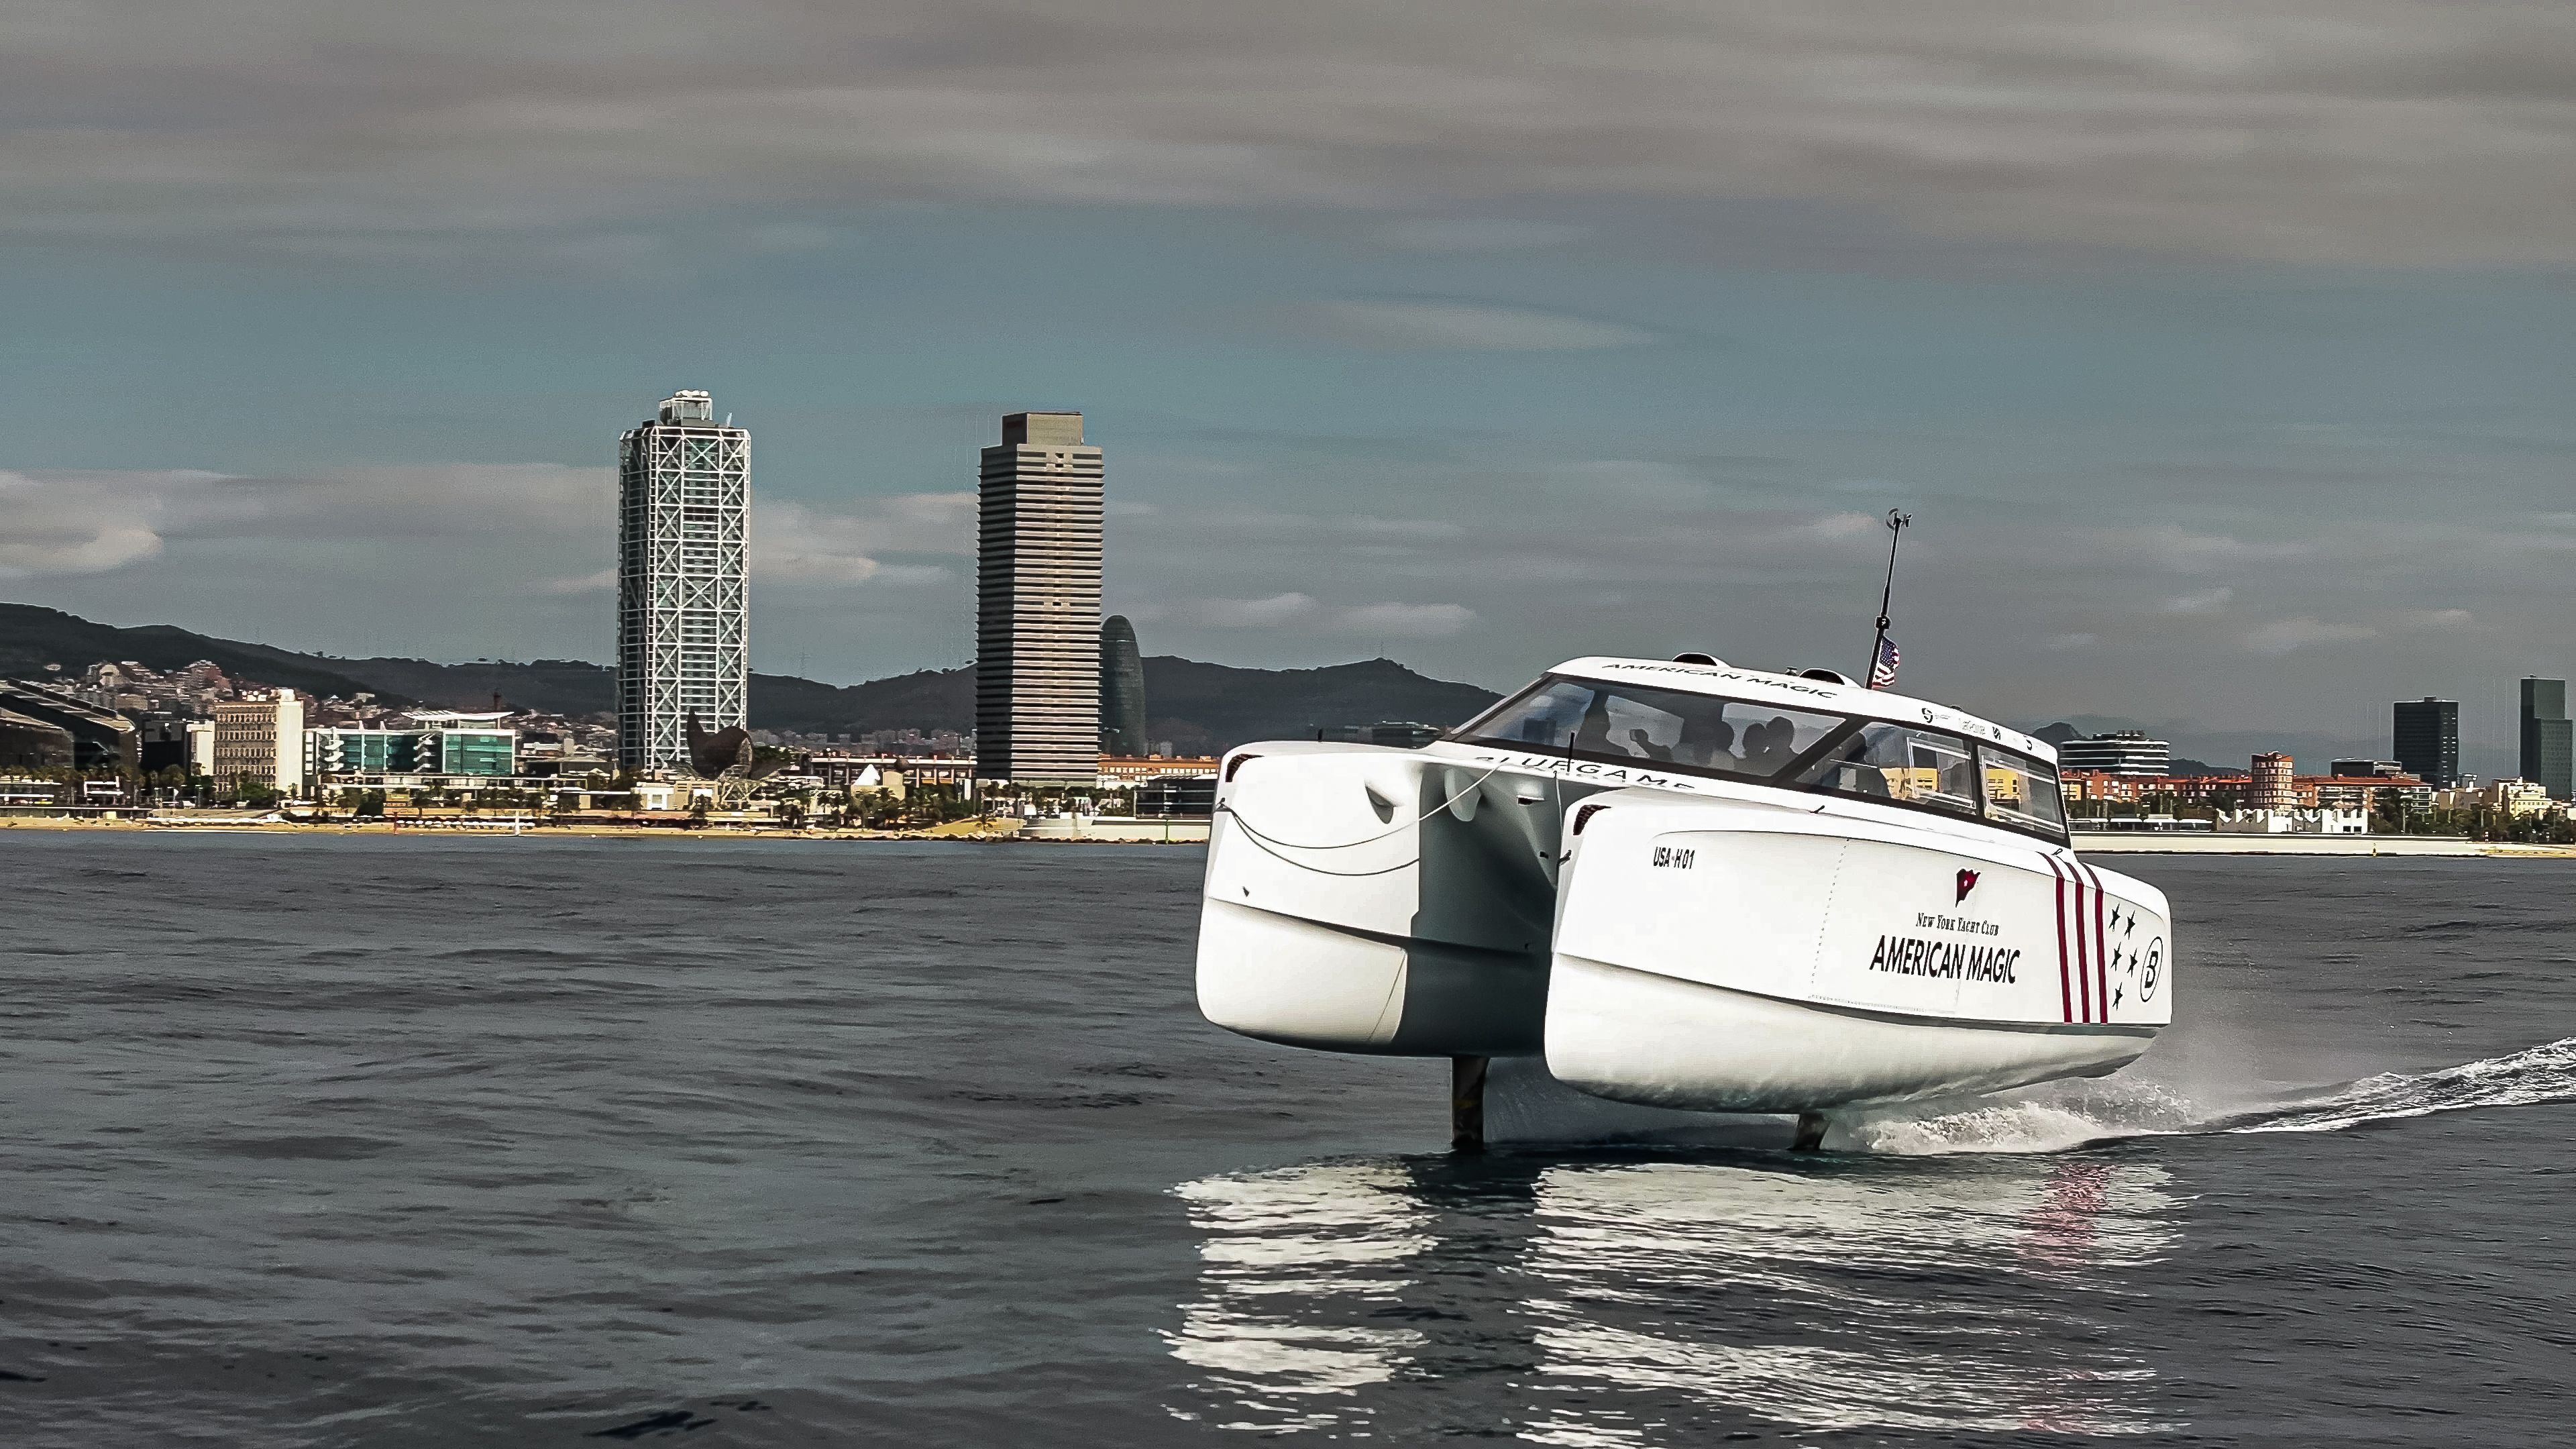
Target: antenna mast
pixel 1897 521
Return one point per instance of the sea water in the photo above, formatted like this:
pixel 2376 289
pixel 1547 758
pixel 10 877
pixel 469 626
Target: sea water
pixel 319 1141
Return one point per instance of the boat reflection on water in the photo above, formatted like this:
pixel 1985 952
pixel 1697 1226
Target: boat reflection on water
pixel 1618 1301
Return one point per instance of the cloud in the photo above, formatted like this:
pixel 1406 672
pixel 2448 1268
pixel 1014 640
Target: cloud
pixel 2063 642
pixel 591 583
pixel 2371 131
pixel 2179 549
pixel 800 543
pixel 69 523
pixel 1405 621
pixel 1478 234
pixel 2284 636
pixel 2438 619
pixel 2206 601
pixel 1269 613
pixel 55 524
pixel 1465 326
pixel 1279 611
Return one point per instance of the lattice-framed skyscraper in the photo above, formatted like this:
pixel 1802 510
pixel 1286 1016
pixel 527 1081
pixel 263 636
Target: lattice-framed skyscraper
pixel 683 580
pixel 1037 604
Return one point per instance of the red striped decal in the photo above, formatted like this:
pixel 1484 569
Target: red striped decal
pixel 2065 979
pixel 2083 954
pixel 2101 948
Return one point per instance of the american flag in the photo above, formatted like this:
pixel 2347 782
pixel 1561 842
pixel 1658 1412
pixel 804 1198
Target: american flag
pixel 1882 671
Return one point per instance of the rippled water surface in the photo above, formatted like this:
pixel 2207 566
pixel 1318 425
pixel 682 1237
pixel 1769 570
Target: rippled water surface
pixel 526 1141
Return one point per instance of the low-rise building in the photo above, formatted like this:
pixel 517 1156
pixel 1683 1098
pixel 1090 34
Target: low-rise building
pixel 2293 822
pixel 260 738
pixel 847 772
pixel 2512 797
pixel 2121 752
pixel 1126 772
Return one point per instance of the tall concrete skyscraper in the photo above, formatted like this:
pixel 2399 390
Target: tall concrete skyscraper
pixel 1037 604
pixel 2427 740
pixel 683 582
pixel 1122 689
pixel 2548 752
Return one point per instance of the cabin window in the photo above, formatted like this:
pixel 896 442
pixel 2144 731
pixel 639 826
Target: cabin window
pixel 2022 791
pixel 1899 762
pixel 1654 728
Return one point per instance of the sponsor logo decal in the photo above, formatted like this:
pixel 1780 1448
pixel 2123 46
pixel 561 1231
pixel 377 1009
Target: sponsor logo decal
pixel 1946 960
pixel 1967 883
pixel 2151 972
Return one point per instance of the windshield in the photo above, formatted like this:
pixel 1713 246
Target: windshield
pixel 2022 791
pixel 1895 762
pixel 1627 723
pixel 1702 734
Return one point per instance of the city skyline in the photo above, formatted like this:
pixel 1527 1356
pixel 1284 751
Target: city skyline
pixel 2230 423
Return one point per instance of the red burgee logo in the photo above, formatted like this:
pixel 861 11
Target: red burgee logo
pixel 1967 883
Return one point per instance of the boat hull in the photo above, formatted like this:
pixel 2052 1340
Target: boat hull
pixel 1659 1041
pixel 1720 956
pixel 1380 901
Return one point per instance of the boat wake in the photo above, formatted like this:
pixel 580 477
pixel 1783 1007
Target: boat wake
pixel 2065 1116
pixel 1530 1108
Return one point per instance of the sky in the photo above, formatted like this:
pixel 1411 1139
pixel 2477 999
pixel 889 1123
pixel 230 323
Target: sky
pixel 2221 354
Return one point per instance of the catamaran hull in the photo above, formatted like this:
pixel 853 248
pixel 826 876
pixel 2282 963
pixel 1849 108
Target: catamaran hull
pixel 1657 1041
pixel 1729 957
pixel 1380 901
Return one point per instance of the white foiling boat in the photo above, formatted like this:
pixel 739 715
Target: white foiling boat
pixel 1686 885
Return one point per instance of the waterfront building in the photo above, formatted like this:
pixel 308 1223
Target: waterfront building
pixel 1177 795
pixel 1122 689
pixel 1037 603
pixel 2363 769
pixel 2273 786
pixel 893 772
pixel 28 743
pixel 1126 772
pixel 2547 758
pixel 683 580
pixel 2512 797
pixel 2426 740
pixel 102 739
pixel 260 738
pixel 454 743
pixel 2293 822
pixel 436 742
pixel 2121 752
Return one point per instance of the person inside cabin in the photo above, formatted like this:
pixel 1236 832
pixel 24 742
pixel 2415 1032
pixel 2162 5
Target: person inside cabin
pixel 1594 732
pixel 1770 745
pixel 1706 740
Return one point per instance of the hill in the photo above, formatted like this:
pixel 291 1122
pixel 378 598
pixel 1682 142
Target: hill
pixel 31 638
pixel 1196 706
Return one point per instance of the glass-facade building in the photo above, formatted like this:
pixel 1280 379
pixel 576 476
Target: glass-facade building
pixel 1122 689
pixel 683 580
pixel 2548 751
pixel 479 749
pixel 2426 740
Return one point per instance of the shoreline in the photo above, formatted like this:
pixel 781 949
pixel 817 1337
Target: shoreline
pixel 452 831
pixel 2356 847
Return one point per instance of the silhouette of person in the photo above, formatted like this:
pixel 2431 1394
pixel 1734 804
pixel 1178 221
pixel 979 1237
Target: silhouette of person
pixel 1778 745
pixel 1706 740
pixel 1594 732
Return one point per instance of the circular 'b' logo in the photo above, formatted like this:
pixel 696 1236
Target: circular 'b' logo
pixel 2151 973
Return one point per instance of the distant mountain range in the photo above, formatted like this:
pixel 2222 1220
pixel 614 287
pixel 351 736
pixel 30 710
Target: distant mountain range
pixel 1197 707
